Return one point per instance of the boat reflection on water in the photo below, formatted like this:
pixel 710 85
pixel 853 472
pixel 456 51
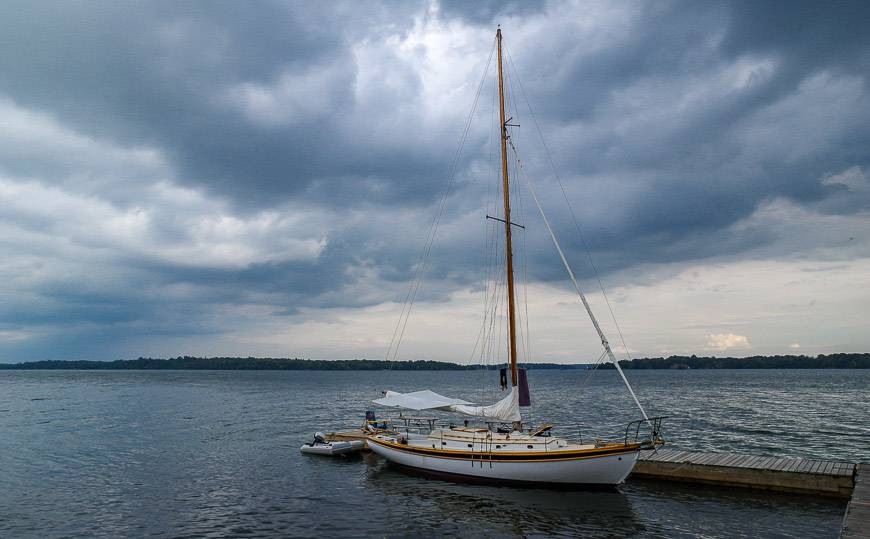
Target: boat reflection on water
pixel 511 510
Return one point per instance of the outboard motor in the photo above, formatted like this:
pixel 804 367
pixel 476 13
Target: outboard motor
pixel 319 438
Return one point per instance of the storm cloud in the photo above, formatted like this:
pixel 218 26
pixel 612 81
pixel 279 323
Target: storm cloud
pixel 176 176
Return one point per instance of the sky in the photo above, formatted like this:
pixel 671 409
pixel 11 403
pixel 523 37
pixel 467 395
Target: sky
pixel 259 178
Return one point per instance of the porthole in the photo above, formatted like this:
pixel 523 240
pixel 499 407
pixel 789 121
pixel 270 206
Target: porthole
pixel 530 446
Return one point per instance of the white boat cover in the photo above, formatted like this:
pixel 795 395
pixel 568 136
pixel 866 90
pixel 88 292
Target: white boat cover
pixel 507 409
pixel 418 400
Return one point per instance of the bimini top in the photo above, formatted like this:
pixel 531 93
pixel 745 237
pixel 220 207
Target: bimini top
pixel 506 409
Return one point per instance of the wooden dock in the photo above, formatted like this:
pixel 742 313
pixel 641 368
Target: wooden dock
pixel 809 476
pixel 856 523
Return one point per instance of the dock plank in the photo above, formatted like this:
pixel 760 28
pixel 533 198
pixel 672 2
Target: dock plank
pixel 755 462
pixel 673 456
pixel 780 465
pixel 799 465
pixel 693 457
pixel 677 455
pixel 790 465
pixel 660 454
pixel 681 456
pixel 856 523
pixel 806 466
pixel 817 476
pixel 717 458
pixel 776 463
pixel 794 467
pixel 697 458
pixel 787 464
pixel 730 460
pixel 751 461
pixel 710 459
pixel 846 468
pixel 741 462
pixel 669 456
pixel 766 462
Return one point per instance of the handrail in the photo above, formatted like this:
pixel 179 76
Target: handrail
pixel 652 439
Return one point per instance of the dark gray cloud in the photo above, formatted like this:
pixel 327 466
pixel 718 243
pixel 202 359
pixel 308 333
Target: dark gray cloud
pixel 166 160
pixel 163 74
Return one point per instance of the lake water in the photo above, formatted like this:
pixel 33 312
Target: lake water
pixel 212 454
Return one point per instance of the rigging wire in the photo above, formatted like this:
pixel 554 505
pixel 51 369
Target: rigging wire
pixel 430 239
pixel 487 256
pixel 586 303
pixel 517 195
pixel 570 207
pixel 559 250
pixel 607 349
pixel 514 137
pixel 593 369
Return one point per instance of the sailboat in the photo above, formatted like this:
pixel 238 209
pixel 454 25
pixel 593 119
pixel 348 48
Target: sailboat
pixel 501 448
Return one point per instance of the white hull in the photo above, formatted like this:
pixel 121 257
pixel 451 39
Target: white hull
pixel 609 469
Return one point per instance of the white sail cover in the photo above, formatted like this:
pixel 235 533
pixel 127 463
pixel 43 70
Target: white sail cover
pixel 507 409
pixel 418 400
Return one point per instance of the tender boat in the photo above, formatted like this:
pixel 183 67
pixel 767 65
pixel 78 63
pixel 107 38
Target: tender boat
pixel 501 447
pixel 320 446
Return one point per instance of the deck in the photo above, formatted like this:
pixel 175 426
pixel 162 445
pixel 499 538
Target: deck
pixel 811 476
pixel 856 523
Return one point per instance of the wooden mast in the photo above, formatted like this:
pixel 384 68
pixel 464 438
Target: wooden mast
pixel 509 257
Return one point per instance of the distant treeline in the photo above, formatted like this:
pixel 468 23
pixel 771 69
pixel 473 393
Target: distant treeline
pixel 262 364
pixel 832 361
pixel 822 361
pixel 238 364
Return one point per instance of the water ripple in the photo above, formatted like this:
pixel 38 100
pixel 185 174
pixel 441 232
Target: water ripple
pixel 215 454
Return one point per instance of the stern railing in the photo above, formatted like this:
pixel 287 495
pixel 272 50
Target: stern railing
pixel 646 432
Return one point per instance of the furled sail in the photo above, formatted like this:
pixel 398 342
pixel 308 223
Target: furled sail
pixel 507 409
pixel 418 400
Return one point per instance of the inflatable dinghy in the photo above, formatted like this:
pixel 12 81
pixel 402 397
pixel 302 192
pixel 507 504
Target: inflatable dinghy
pixel 321 447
